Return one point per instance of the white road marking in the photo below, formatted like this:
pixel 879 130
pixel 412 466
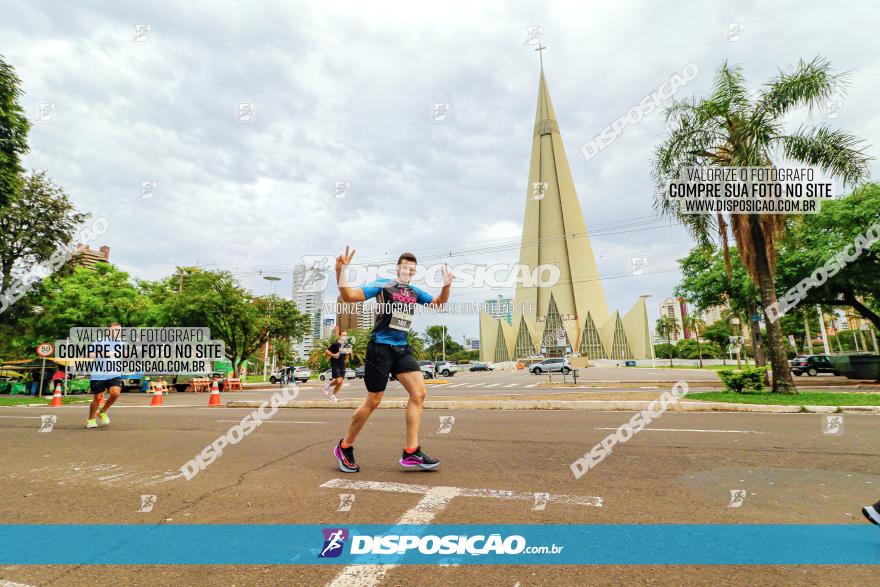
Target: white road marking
pixel 687 430
pixel 37 417
pixel 531 385
pixel 5 583
pixel 458 385
pixel 276 422
pixel 434 501
pixel 493 385
pixel 477 384
pixel 512 385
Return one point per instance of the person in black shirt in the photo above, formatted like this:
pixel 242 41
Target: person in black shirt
pixel 337 351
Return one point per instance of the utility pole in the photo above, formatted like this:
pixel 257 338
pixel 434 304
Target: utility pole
pixel 822 329
pixel 809 339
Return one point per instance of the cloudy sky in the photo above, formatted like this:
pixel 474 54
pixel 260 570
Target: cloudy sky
pixel 343 91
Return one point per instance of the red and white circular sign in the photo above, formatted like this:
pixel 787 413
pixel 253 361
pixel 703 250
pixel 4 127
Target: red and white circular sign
pixel 46 349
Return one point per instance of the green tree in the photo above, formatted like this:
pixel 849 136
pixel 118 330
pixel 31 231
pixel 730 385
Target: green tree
pixel 88 297
pixel 709 279
pixel 416 343
pixel 14 128
pixel 695 323
pixel 434 340
pixel 213 299
pixel 728 128
pixel 37 220
pixel 666 326
pixel 817 238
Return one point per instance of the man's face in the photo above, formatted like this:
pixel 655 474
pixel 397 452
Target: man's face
pixel 115 327
pixel 343 335
pixel 405 271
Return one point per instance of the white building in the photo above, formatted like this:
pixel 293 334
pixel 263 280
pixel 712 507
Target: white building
pixel 367 316
pixel 712 315
pixel 674 308
pixel 308 295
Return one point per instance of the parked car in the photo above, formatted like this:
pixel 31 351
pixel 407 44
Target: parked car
pixel 480 367
pixel 428 369
pixel 328 374
pixel 550 365
pixel 359 372
pixel 275 376
pixel 302 374
pixel 812 365
pixel 445 368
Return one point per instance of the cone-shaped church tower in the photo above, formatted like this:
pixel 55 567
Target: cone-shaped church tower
pixel 570 315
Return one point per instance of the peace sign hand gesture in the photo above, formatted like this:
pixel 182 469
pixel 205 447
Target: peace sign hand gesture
pixel 344 259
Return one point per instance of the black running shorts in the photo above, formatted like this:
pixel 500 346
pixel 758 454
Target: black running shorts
pixel 102 385
pixel 337 371
pixel 383 359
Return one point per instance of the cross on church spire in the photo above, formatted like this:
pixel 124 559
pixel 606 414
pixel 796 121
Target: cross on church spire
pixel 540 50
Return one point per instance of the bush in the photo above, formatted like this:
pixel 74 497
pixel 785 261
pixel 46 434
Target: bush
pixel 661 351
pixel 749 379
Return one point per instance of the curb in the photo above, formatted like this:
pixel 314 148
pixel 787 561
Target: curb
pixel 579 405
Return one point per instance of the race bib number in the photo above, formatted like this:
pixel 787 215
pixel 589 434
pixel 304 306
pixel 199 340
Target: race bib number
pixel 401 321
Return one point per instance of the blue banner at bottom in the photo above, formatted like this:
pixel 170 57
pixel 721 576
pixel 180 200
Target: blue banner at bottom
pixel 508 544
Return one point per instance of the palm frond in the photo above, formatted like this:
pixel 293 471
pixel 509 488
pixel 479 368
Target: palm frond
pixel 834 151
pixel 809 84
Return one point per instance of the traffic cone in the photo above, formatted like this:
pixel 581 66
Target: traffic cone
pixel 56 398
pixel 157 396
pixel 214 399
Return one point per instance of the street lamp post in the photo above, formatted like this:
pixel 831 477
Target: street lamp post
pixel 274 279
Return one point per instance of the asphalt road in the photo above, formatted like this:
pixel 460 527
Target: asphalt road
pixel 682 470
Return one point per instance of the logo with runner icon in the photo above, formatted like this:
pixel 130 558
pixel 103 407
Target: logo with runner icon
pixel 334 540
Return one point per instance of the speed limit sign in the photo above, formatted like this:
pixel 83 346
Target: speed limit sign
pixel 45 350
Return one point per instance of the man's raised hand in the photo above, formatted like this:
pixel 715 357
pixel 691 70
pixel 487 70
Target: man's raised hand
pixel 448 276
pixel 344 259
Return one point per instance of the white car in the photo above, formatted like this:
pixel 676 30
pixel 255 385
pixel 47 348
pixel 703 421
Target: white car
pixel 446 369
pixel 550 365
pixel 328 374
pixel 302 374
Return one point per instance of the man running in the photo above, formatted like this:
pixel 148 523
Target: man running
pixel 337 351
pixel 105 378
pixel 388 351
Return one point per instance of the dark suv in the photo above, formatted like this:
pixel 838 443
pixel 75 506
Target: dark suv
pixel 812 365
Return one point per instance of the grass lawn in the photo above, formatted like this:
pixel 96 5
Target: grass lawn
pixel 20 400
pixel 809 398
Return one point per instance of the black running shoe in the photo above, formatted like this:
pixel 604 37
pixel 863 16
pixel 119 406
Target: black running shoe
pixel 872 512
pixel 345 456
pixel 418 459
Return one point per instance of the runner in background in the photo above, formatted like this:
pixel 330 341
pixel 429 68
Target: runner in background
pixel 105 378
pixel 337 351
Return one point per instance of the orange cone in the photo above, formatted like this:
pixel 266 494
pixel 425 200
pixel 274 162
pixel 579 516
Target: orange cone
pixel 56 398
pixel 214 400
pixel 157 396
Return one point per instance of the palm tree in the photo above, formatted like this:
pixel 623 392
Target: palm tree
pixel 731 128
pixel 317 360
pixel 666 326
pixel 696 324
pixel 416 343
